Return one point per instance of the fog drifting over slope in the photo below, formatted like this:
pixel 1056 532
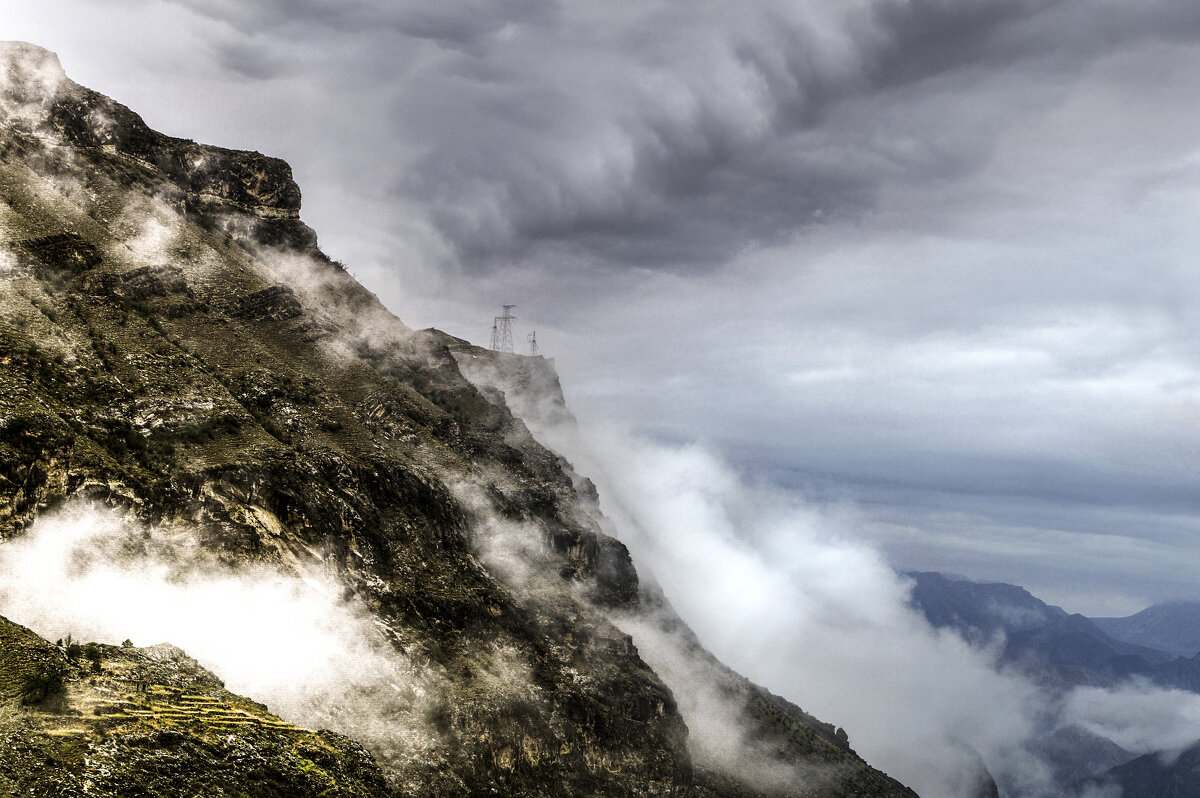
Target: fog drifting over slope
pixel 286 637
pixel 789 595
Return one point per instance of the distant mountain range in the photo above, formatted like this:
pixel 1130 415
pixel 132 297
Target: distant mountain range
pixel 1173 627
pixel 1159 775
pixel 1062 650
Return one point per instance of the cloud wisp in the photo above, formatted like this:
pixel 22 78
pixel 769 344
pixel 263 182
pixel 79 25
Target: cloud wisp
pixel 789 595
pixel 289 639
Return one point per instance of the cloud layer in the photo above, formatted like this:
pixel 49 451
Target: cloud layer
pixel 932 259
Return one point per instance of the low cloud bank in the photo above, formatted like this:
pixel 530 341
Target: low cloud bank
pixel 788 596
pixel 291 640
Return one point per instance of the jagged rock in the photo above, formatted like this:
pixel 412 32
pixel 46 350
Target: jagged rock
pixel 240 193
pixel 63 251
pixel 277 303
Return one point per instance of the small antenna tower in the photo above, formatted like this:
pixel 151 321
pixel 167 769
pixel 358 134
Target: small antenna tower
pixel 532 338
pixel 502 331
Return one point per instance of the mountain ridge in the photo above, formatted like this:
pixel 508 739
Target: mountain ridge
pixel 1172 626
pixel 1058 648
pixel 177 347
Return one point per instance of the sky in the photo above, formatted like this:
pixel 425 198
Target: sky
pixel 927 265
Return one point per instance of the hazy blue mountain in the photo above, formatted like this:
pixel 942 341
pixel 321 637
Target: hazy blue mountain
pixel 1073 650
pixel 978 610
pixel 1060 651
pixel 1172 627
pixel 1052 647
pixel 1158 775
pixel 1074 753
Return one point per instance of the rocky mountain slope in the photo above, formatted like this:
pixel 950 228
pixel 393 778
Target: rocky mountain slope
pixel 174 345
pixel 108 720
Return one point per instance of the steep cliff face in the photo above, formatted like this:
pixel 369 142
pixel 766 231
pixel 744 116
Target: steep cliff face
pixel 793 753
pixel 173 344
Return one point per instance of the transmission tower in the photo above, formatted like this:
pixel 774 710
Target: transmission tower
pixel 502 331
pixel 532 338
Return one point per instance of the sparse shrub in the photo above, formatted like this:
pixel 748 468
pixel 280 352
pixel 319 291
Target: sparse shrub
pixel 439 717
pixel 191 433
pixel 74 650
pixel 127 643
pixel 46 679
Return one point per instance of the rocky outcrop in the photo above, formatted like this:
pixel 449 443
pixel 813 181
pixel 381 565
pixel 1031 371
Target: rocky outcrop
pixel 271 408
pixel 237 192
pixel 108 720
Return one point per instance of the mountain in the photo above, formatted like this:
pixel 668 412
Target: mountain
pixel 177 350
pixel 1173 627
pixel 1160 775
pixel 1056 649
pixel 163 724
pixel 1074 754
pixel 1074 651
pixel 978 610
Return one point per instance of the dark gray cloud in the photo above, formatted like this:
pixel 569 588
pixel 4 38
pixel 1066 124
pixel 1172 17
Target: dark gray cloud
pixel 940 247
pixel 250 61
pixel 661 135
pixel 458 25
pixel 719 128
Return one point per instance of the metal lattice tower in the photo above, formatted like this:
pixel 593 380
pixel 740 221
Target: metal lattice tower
pixel 502 331
pixel 532 339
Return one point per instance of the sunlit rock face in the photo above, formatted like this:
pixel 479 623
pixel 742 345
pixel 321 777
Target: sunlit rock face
pixel 201 413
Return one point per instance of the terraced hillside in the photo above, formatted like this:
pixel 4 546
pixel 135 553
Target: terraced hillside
pixel 129 721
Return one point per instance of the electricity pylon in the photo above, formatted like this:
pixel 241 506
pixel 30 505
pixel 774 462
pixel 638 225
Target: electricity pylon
pixel 502 331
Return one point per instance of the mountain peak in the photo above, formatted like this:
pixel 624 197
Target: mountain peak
pixel 22 60
pixel 31 78
pixel 239 193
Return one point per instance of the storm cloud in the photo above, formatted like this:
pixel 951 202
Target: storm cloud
pixel 666 135
pixel 929 263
